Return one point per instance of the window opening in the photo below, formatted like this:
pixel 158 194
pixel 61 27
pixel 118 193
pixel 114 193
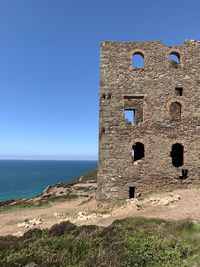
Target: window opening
pixel 138 60
pixel 109 96
pixel 179 91
pixel 134 104
pixel 137 152
pixel 177 155
pixel 131 192
pixel 103 130
pixel 174 59
pixel 103 96
pixel 130 115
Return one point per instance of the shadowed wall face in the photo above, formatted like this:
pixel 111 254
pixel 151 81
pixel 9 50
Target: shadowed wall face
pixel 160 85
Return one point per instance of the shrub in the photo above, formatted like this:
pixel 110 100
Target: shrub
pixel 61 228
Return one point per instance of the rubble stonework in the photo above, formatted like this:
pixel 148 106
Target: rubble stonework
pixel 164 116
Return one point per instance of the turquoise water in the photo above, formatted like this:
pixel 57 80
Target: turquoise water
pixel 27 178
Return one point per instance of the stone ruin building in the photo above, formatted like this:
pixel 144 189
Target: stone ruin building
pixel 149 124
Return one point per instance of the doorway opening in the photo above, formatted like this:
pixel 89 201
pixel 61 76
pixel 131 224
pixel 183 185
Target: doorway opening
pixel 177 155
pixel 132 192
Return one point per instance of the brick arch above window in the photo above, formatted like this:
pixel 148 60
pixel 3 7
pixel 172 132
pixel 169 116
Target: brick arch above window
pixel 174 58
pixel 138 57
pixel 178 141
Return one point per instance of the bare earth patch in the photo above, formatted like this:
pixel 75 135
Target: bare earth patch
pixel 176 205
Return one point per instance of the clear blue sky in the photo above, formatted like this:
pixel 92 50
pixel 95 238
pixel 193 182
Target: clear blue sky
pixel 49 66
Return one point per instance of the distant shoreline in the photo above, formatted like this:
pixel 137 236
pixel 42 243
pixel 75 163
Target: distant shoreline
pixel 46 195
pixel 24 179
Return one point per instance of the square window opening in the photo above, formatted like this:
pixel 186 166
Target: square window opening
pixel 130 116
pixel 179 91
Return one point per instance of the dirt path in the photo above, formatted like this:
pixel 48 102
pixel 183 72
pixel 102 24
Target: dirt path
pixel 187 206
pixel 10 219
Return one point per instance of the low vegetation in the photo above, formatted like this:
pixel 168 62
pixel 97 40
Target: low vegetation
pixel 89 176
pixel 44 201
pixel 128 243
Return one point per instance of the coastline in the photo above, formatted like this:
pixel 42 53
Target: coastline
pixel 22 179
pixel 59 191
pixel 76 202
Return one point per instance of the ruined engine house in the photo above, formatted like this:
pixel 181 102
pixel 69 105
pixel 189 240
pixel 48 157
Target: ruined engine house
pixel 149 124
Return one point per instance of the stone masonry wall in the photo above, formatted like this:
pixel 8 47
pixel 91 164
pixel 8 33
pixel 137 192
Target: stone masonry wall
pixel 150 91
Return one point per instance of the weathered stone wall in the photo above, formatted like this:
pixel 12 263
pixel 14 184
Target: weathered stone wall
pixel 151 91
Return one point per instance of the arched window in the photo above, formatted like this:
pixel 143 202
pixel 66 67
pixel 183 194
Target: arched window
pixel 138 60
pixel 175 111
pixel 174 59
pixel 137 151
pixel 177 155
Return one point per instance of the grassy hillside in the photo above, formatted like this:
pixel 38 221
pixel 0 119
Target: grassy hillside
pixel 86 177
pixel 10 205
pixel 130 242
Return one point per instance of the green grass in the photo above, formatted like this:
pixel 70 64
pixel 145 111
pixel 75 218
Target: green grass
pixel 133 242
pixel 38 204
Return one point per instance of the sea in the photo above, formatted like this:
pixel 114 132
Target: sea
pixel 28 178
